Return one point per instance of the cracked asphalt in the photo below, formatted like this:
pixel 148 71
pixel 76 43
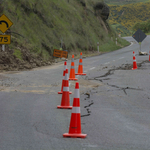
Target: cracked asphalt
pixel 115 102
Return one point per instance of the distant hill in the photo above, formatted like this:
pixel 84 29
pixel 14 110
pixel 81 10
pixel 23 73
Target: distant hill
pixel 124 17
pixel 123 2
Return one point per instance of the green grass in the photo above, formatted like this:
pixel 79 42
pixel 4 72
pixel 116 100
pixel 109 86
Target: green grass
pixel 123 2
pixel 18 54
pixel 44 23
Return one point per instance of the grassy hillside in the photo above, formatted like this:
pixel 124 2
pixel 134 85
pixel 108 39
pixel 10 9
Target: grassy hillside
pixel 41 26
pixel 124 17
pixel 123 2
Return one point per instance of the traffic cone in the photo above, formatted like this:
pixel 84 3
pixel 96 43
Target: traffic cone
pixel 72 70
pixel 65 100
pixel 80 68
pixel 65 67
pixel 75 122
pixel 134 62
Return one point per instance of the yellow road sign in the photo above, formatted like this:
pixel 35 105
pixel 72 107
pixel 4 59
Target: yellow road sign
pixel 5 23
pixel 5 39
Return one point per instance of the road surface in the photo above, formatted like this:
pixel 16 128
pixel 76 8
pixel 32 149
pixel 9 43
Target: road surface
pixel 115 102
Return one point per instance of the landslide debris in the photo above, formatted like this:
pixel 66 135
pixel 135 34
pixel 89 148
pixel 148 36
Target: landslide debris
pixel 9 61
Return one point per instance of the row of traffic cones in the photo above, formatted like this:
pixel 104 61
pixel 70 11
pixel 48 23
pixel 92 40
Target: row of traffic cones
pixel 72 71
pixel 80 68
pixel 75 121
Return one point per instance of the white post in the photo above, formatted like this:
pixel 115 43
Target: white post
pixel 119 34
pixel 98 47
pixel 116 41
pixel 3 46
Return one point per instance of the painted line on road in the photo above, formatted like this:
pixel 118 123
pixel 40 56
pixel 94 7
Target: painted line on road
pixel 121 57
pixel 92 68
pixel 131 44
pixel 107 63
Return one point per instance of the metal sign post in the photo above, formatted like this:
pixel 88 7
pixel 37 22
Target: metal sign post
pixel 3 46
pixel 98 47
pixel 140 46
pixel 139 36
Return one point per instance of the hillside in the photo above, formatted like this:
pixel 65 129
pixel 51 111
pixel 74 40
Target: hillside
pixel 124 17
pixel 40 27
pixel 123 2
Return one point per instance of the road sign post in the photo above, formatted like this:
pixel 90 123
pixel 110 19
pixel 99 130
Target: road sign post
pixel 139 36
pixel 140 46
pixel 98 47
pixel 3 46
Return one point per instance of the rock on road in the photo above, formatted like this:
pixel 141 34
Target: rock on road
pixel 115 102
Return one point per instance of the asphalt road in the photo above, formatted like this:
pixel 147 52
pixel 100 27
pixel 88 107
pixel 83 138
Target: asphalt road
pixel 116 116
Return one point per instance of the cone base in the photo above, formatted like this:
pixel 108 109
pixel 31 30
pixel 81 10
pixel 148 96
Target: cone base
pixel 134 68
pixel 74 79
pixel 62 92
pixel 64 107
pixel 82 74
pixel 74 135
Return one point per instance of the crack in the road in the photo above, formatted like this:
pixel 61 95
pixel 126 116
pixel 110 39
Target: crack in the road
pixel 111 71
pixel 124 89
pixel 88 106
pixel 122 67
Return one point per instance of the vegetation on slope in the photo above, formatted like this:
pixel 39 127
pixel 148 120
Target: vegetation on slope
pixel 40 26
pixel 124 17
pixel 124 2
pixel 144 26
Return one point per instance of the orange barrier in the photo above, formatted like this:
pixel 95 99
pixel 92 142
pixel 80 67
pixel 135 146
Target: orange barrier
pixel 75 122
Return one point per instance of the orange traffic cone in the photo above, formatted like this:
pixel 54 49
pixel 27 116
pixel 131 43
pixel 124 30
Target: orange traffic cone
pixel 134 62
pixel 75 122
pixel 65 67
pixel 80 68
pixel 65 100
pixel 72 70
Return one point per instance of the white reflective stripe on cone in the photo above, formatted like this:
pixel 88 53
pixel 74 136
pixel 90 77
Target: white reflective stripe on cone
pixel 76 110
pixel 134 60
pixel 66 76
pixel 76 93
pixel 65 89
pixel 65 67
